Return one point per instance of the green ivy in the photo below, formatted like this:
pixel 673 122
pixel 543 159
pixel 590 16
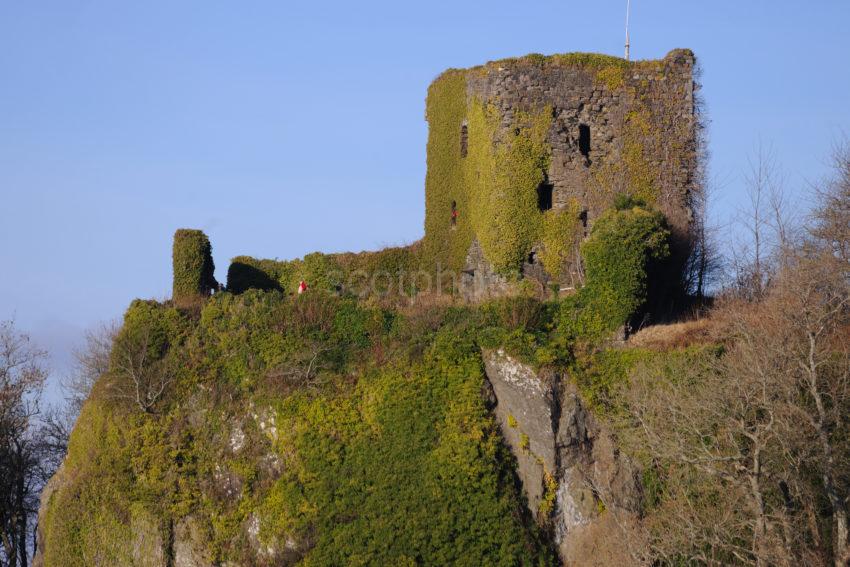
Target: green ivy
pixel 193 265
pixel 562 233
pixel 502 183
pixel 379 439
pixel 445 246
pixel 391 271
pixel 625 251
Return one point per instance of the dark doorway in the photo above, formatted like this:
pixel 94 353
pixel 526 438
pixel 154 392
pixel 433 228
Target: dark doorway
pixel 584 140
pixel 464 140
pixel 544 196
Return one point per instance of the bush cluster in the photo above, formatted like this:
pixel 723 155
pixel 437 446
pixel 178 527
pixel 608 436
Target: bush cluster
pixel 623 257
pixel 386 271
pixel 385 427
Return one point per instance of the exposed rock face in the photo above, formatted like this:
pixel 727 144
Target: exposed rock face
pixel 187 551
pixel 577 482
pixel 527 409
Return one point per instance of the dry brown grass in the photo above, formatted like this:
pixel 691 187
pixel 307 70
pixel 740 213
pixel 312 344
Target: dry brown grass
pixel 678 335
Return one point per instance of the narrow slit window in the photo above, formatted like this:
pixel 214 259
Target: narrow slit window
pixel 544 196
pixel 464 140
pixel 584 140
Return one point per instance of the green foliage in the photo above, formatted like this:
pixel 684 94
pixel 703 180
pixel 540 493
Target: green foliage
pixel 320 271
pixel 550 495
pixel 385 455
pixel 421 440
pixel 634 174
pixel 493 187
pixel 247 273
pixel 502 180
pixel 653 487
pixel 624 252
pixel 446 110
pixel 391 271
pixel 596 62
pixel 624 202
pixel 603 376
pixel 561 236
pixel 193 265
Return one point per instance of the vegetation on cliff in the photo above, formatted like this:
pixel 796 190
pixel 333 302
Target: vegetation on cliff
pixel 315 427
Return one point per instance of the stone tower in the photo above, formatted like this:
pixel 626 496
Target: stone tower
pixel 524 154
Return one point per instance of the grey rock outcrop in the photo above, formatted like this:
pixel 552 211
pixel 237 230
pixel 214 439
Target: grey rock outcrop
pixel 578 484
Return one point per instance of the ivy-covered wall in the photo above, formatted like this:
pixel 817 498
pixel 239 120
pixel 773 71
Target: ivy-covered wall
pixel 193 265
pixel 391 271
pixel 592 127
pixel 588 128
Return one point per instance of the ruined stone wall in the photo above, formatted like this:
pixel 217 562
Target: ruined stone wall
pixel 646 105
pixel 639 139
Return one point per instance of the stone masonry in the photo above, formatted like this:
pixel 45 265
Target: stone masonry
pixel 588 138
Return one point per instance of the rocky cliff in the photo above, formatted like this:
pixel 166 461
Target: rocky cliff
pixel 577 483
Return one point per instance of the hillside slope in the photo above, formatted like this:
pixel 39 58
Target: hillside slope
pixel 260 428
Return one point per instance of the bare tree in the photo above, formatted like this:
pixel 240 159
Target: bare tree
pixel 813 308
pixel 91 361
pixel 768 229
pixel 719 431
pixel 139 375
pixel 755 437
pixel 832 218
pixel 304 367
pixel 705 263
pixel 22 376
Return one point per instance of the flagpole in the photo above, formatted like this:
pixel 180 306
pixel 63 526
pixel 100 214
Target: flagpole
pixel 628 9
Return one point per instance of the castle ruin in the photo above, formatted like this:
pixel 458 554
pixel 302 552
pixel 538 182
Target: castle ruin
pixel 524 154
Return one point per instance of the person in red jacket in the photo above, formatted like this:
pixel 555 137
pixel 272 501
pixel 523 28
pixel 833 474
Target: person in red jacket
pixel 302 287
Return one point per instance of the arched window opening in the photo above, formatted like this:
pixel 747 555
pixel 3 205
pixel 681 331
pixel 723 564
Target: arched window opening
pixel 544 196
pixel 584 140
pixel 464 140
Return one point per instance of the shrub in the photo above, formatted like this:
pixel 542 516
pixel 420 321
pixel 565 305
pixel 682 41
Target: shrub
pixel 622 257
pixel 513 313
pixel 246 273
pixel 193 265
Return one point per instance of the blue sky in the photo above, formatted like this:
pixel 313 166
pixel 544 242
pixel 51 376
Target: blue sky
pixel 283 128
